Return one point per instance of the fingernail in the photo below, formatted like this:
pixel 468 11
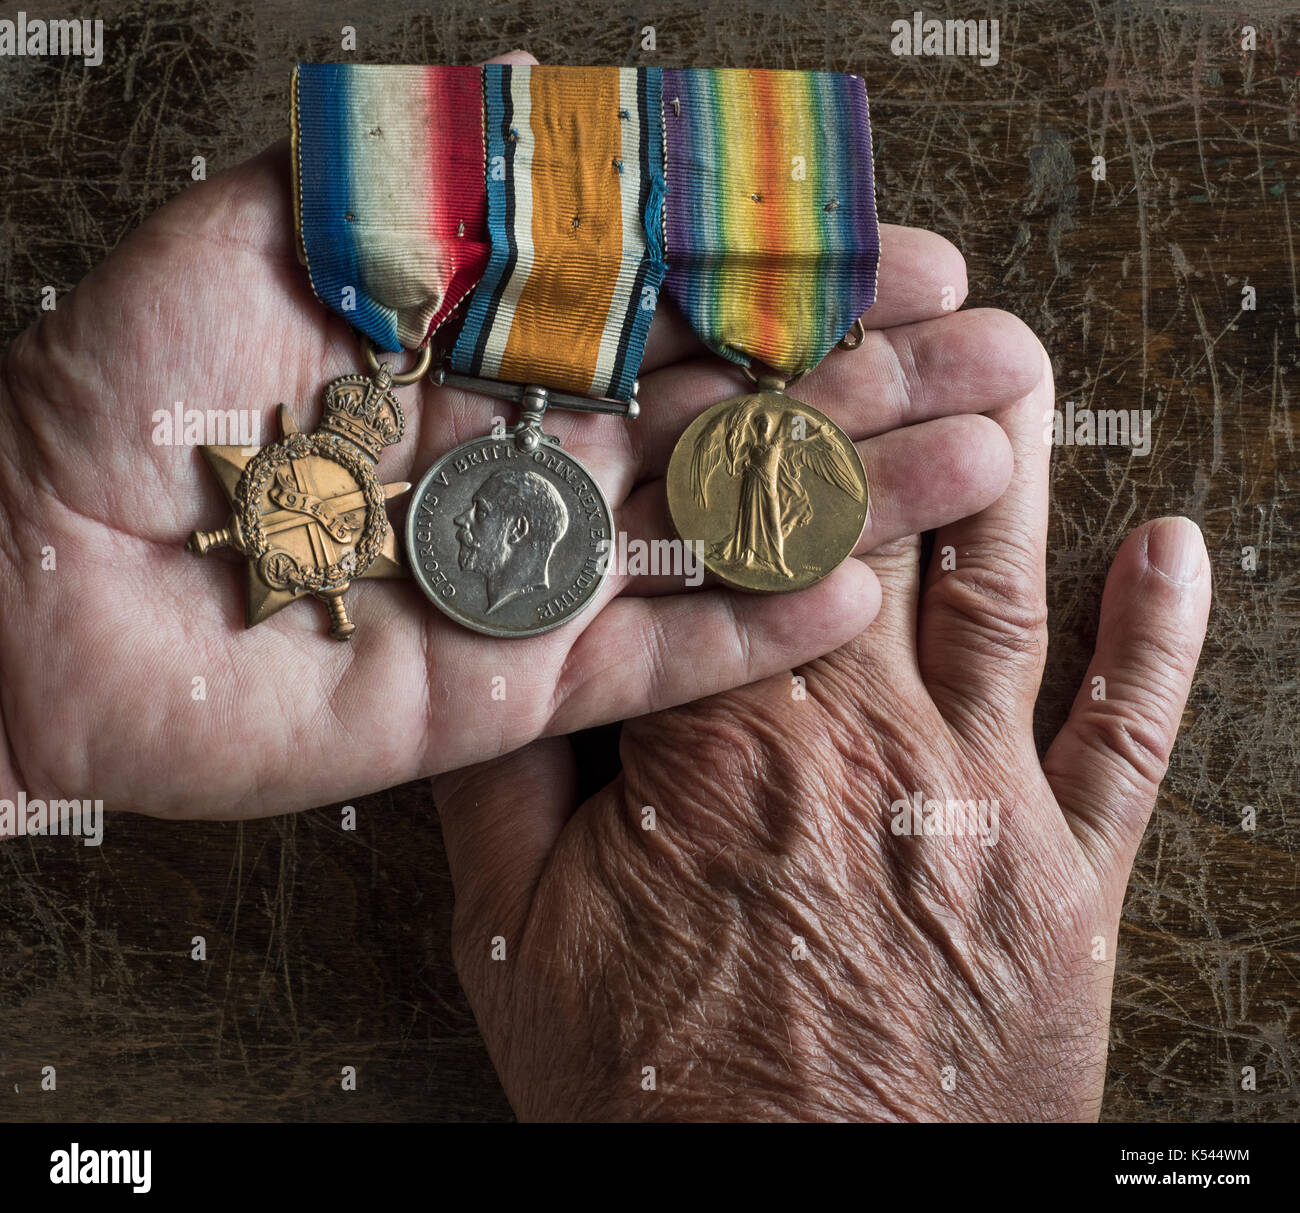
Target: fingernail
pixel 1176 549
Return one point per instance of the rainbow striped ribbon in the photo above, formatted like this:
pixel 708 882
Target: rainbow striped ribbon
pixel 389 196
pixel 575 214
pixel 773 243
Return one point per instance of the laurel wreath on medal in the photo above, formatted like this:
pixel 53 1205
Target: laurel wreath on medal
pixel 248 496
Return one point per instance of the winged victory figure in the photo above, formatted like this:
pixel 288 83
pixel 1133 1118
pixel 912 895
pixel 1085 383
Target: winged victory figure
pixel 767 446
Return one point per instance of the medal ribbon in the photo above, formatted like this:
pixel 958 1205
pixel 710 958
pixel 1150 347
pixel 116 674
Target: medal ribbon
pixel 772 237
pixel 389 197
pixel 575 193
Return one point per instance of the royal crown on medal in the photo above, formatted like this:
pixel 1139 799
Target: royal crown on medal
pixel 362 410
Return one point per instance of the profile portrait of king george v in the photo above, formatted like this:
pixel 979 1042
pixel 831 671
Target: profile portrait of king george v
pixel 509 533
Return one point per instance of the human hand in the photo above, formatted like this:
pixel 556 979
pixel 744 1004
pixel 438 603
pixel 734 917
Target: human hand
pixel 771 947
pixel 206 303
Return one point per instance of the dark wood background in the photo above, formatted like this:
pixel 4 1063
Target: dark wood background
pixel 329 948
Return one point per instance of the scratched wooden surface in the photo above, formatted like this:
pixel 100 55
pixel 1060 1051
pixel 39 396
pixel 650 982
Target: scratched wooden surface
pixel 329 948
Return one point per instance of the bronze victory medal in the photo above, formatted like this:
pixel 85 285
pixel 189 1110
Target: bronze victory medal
pixel 773 491
pixel 509 542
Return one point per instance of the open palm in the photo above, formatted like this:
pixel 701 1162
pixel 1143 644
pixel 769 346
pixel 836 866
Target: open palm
pixel 206 304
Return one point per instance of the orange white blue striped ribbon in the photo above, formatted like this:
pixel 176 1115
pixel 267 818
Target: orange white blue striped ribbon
pixel 575 215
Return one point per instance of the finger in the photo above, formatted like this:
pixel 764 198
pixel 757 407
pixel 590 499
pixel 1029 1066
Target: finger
pixel 967 363
pixel 645 654
pixel 924 476
pixel 518 57
pixel 964 364
pixel 919 478
pixel 500 820
pixel 921 276
pixel 1107 762
pixel 897 566
pixel 982 629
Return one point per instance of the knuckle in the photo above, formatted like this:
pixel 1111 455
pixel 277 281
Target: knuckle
pixel 905 374
pixel 737 747
pixel 953 263
pixel 992 592
pixel 655 650
pixel 742 639
pixel 1163 655
pixel 1124 731
pixel 1015 349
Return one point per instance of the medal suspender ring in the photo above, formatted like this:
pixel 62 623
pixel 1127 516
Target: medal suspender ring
pixel 854 337
pixel 416 373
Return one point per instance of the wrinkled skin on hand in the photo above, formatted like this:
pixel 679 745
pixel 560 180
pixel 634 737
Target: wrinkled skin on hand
pixel 772 948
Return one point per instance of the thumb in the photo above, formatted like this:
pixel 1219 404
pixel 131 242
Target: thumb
pixel 500 822
pixel 518 58
pixel 1107 762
